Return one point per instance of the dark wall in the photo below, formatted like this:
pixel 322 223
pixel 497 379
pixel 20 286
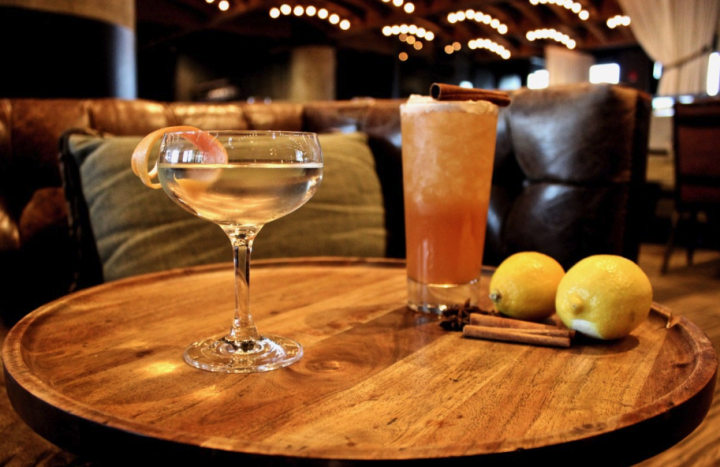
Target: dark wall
pixel 416 75
pixel 360 74
pixel 186 69
pixel 491 74
pixel 635 67
pixel 62 56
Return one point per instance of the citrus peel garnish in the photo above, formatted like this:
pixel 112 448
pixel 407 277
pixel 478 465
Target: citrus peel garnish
pixel 214 150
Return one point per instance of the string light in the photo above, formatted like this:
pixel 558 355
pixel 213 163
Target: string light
pixel 551 34
pixel 618 20
pixel 407 6
pixel 575 7
pixel 491 46
pixel 311 11
pixel 479 17
pixel 410 34
pixel 224 5
pixel 405 29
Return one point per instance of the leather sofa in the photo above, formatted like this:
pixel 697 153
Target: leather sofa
pixel 569 172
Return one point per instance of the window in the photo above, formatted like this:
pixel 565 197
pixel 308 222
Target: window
pixel 657 70
pixel 538 79
pixel 510 82
pixel 663 106
pixel 605 73
pixel 713 76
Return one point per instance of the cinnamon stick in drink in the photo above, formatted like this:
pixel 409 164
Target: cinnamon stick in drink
pixel 450 92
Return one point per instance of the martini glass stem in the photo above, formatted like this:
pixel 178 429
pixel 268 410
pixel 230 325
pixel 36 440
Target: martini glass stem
pixel 243 333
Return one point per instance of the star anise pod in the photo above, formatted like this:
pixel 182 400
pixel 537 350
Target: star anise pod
pixel 456 317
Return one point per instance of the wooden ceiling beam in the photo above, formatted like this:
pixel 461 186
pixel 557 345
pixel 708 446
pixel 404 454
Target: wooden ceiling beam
pixel 171 13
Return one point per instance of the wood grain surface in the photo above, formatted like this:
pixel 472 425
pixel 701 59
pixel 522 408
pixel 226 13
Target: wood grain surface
pixel 100 372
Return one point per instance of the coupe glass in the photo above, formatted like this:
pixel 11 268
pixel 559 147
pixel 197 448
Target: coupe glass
pixel 241 180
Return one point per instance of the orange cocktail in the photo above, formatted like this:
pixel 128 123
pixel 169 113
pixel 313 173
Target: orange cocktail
pixel 448 152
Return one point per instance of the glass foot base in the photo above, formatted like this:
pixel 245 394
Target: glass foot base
pixel 436 298
pixel 220 355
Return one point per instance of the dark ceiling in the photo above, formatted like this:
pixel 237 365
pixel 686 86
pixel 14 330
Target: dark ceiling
pixel 166 21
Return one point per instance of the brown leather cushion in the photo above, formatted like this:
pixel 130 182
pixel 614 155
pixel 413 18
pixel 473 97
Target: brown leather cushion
pixel 563 185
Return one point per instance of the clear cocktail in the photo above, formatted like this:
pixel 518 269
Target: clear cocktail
pixel 448 154
pixel 240 180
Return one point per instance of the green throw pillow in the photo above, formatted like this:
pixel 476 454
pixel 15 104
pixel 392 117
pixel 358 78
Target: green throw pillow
pixel 140 230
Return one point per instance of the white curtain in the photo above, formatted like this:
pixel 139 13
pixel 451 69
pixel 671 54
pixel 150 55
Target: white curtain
pixel 679 34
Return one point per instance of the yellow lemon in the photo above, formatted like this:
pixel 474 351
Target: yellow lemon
pixel 604 296
pixel 524 285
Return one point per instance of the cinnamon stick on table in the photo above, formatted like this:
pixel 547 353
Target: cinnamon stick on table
pixel 522 336
pixel 449 92
pixel 479 319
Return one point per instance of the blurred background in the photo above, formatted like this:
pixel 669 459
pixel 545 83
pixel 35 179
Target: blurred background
pixel 260 50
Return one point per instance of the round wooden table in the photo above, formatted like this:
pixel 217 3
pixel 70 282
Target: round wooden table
pixel 100 373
